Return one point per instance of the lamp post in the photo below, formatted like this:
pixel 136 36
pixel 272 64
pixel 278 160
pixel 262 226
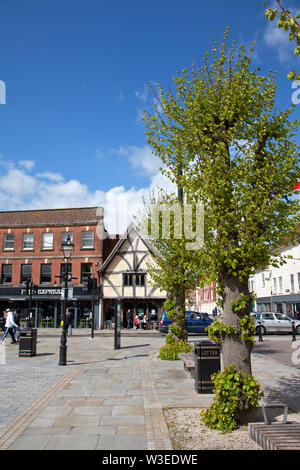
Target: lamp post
pixel 67 247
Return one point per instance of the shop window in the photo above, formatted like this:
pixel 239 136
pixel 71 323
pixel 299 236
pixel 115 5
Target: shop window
pixel 6 273
pixel 47 241
pixel 46 271
pixel 26 272
pixel 9 241
pixel 28 241
pixel 87 239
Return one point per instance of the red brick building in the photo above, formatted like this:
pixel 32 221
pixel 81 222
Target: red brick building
pixel 30 248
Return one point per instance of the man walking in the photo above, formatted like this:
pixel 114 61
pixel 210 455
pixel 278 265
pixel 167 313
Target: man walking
pixel 9 325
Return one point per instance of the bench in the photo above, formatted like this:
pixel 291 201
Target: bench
pixel 188 361
pixel 275 436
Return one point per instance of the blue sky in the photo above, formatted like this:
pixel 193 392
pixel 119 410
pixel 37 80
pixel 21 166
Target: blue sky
pixel 76 75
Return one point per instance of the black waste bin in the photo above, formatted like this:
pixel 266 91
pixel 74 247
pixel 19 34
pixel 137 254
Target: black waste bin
pixel 27 345
pixel 207 362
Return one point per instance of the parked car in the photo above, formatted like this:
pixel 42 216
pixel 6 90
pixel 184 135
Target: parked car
pixel 275 323
pixel 196 322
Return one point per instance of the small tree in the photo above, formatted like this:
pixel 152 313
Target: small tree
pixel 173 269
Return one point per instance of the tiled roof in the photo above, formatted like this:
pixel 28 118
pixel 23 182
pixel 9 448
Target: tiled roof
pixel 51 217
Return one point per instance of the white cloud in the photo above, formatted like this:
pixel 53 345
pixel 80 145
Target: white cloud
pixel 20 190
pixel 49 175
pixel 28 164
pixel 142 159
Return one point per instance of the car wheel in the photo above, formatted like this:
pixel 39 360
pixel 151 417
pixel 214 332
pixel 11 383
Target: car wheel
pixel 297 331
pixel 263 330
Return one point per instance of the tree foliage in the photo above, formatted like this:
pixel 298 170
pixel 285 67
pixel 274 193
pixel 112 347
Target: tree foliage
pixel 291 24
pixel 239 159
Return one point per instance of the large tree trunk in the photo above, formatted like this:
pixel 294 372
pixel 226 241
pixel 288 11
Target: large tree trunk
pixel 234 350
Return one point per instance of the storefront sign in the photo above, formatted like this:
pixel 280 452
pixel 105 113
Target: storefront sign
pixel 44 292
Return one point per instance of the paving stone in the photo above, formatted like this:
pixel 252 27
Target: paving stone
pixel 71 442
pixel 122 442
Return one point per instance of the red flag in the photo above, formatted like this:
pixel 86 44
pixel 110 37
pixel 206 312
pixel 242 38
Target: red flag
pixel 297 186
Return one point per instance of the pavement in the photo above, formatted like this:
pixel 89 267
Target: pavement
pixel 107 399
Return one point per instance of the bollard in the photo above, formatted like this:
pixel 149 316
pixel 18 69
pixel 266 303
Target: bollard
pixel 293 331
pixel 260 338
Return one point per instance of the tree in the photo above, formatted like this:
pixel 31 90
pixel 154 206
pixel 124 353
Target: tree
pixel 239 159
pixel 289 23
pixel 173 269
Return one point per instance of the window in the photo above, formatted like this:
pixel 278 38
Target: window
pixel 87 239
pixel 267 316
pixel 66 235
pixel 9 241
pixel 127 279
pixel 280 284
pixel 274 286
pixel 47 241
pixel 26 272
pixel 86 270
pixel 292 283
pixel 46 271
pixel 298 281
pixel 6 273
pixel 28 240
pixel 140 280
pixel 263 280
pixel 63 268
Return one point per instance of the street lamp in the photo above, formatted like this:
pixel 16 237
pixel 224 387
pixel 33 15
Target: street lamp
pixel 67 247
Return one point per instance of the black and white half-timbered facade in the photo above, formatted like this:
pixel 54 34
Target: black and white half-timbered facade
pixel 124 278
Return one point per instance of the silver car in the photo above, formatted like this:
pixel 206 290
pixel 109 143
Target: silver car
pixel 275 322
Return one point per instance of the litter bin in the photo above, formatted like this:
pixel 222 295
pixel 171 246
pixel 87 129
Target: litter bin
pixel 207 362
pixel 27 345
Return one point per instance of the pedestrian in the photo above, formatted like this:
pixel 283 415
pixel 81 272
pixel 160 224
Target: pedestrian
pixel 9 324
pixel 215 312
pixel 137 321
pixel 16 314
pixel 297 315
pixel 129 318
pixel 68 322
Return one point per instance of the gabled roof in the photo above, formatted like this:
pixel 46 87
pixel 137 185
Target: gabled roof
pixel 121 241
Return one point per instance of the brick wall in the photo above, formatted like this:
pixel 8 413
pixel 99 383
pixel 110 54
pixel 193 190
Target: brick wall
pixel 54 256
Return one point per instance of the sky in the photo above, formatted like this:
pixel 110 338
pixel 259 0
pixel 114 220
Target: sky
pixel 74 80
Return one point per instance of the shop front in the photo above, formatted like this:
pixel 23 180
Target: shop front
pixel 150 309
pixel 286 304
pixel 47 304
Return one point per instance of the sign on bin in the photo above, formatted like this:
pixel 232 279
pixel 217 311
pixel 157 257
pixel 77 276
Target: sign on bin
pixel 207 362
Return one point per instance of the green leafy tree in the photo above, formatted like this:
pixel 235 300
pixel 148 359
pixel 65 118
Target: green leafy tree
pixel 239 159
pixel 290 23
pixel 173 269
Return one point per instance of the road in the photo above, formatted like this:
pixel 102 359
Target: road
pixel 281 348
